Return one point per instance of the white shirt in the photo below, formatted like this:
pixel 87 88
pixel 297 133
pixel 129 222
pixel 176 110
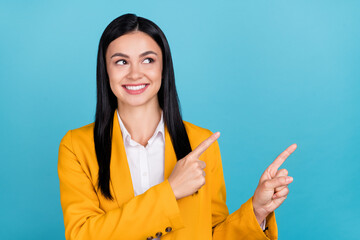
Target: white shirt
pixel 147 163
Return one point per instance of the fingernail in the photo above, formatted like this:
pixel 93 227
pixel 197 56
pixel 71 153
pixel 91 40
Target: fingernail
pixel 289 179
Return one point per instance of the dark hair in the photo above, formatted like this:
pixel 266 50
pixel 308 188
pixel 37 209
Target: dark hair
pixel 107 101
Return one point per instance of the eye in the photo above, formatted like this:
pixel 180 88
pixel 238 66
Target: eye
pixel 148 60
pixel 121 62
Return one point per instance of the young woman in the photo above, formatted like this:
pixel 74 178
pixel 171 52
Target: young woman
pixel 140 171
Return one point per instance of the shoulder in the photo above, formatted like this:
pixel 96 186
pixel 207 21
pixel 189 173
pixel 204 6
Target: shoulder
pixel 195 133
pixel 77 154
pixel 192 128
pixel 84 131
pixel 80 136
pixel 77 147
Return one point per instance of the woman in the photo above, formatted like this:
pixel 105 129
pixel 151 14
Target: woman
pixel 140 171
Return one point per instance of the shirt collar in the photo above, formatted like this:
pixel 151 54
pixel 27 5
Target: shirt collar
pixel 160 129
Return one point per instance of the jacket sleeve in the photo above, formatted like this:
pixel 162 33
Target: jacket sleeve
pixel 241 224
pixel 141 217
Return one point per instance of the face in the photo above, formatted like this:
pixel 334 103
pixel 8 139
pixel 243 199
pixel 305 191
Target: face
pixel 134 66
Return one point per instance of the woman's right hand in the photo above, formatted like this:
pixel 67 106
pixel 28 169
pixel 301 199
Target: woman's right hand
pixel 188 175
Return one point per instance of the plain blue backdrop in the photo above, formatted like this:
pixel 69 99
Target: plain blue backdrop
pixel 265 74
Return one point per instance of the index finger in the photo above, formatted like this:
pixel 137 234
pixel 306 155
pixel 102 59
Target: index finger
pixel 200 149
pixel 282 157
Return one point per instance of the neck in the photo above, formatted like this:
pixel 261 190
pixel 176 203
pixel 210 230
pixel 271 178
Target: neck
pixel 141 121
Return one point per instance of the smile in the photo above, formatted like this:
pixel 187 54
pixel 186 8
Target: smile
pixel 135 89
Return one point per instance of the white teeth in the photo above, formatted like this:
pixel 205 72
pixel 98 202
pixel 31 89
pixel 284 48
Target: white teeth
pixel 135 87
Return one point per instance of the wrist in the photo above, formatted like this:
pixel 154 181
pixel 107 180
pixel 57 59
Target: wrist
pixel 173 189
pixel 259 217
pixel 259 213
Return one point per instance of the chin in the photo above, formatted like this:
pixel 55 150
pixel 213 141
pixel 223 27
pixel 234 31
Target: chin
pixel 138 102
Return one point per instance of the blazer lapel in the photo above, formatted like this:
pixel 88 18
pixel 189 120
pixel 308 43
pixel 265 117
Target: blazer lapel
pixel 120 176
pixel 170 156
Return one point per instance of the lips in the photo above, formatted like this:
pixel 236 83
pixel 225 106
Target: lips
pixel 135 88
pixel 138 87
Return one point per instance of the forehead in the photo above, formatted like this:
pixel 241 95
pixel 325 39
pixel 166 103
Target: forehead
pixel 133 43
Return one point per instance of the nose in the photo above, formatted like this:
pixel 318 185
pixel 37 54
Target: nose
pixel 135 72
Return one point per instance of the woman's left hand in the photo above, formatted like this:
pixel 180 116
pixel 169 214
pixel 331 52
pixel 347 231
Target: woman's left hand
pixel 273 187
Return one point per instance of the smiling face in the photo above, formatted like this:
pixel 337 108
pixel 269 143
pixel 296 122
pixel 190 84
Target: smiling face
pixel 134 66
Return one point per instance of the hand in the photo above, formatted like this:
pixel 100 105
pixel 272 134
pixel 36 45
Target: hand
pixel 188 175
pixel 273 187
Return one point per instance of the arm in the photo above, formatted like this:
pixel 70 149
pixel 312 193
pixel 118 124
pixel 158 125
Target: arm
pixel 141 217
pixel 242 224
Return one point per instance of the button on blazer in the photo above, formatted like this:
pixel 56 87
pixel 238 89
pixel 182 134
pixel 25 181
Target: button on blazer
pixel 202 216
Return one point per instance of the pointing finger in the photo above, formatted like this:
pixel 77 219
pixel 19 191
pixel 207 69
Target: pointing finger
pixel 204 145
pixel 282 157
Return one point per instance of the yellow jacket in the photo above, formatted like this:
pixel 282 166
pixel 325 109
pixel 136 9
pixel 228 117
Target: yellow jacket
pixel 88 215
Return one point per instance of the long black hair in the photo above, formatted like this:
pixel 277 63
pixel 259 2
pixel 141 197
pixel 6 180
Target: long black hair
pixel 107 101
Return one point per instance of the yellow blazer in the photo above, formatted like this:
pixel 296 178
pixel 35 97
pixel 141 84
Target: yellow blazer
pixel 88 215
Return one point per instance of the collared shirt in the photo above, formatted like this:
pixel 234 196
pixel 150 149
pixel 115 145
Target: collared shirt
pixel 146 163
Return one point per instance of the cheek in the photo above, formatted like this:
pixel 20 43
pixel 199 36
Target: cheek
pixel 112 73
pixel 111 80
pixel 113 87
pixel 157 75
pixel 114 79
pixel 115 76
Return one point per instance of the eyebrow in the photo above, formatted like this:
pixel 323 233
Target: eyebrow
pixel 126 56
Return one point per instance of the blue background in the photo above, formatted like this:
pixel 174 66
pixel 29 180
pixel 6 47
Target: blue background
pixel 265 73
